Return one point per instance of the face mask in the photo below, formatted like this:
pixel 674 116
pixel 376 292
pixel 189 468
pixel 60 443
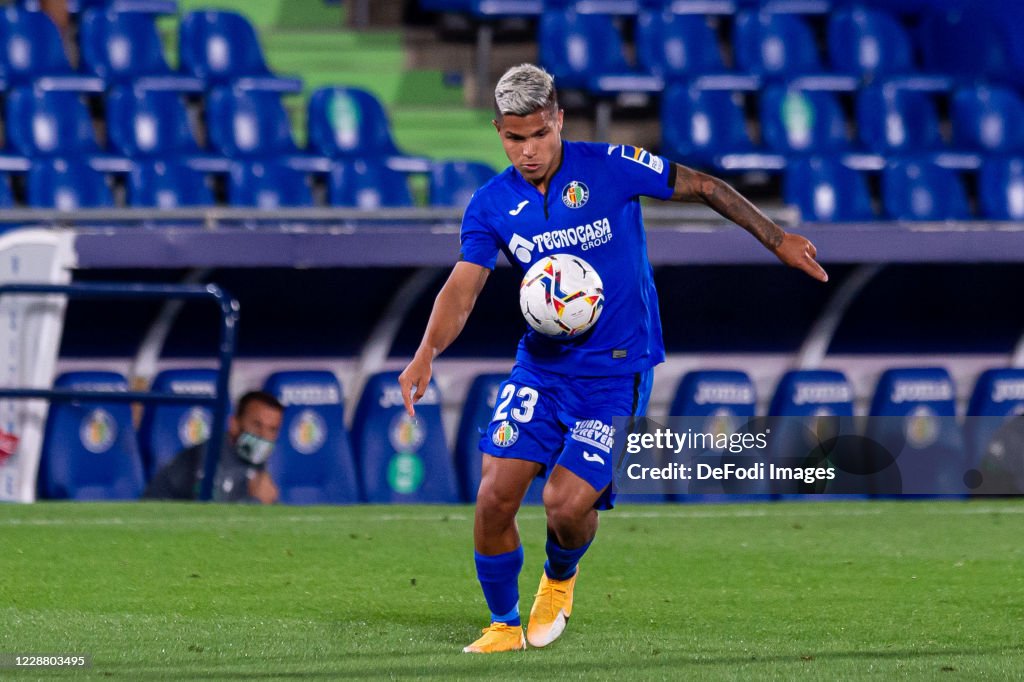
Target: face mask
pixel 253 449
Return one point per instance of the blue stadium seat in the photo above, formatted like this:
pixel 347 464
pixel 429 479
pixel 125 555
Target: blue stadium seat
pixel 676 45
pixel 809 408
pixel 795 121
pixel 33 54
pixel 707 128
pixel 312 462
pixel 774 45
pixel 222 48
pixel 1001 189
pixel 268 185
pixel 987 118
pixel 826 190
pixel 869 42
pixel 921 190
pixel 997 398
pixel 577 48
pixel 401 459
pixel 347 122
pixel 714 401
pixel 123 48
pixel 894 119
pixel 913 416
pixel 476 413
pixel 46 124
pixel 165 430
pixel 143 123
pixel 254 125
pixel 67 185
pixel 167 184
pixel 452 183
pixel 368 184
pixel 965 43
pixel 89 448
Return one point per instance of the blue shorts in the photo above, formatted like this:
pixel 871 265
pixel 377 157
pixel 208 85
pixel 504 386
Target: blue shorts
pixel 554 419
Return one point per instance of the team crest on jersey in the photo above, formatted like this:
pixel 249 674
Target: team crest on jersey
pixel 643 157
pixel 575 194
pixel 505 435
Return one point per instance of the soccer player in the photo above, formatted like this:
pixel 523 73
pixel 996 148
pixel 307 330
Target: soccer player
pixel 555 411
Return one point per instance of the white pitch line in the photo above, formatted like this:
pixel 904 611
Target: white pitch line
pixel 535 515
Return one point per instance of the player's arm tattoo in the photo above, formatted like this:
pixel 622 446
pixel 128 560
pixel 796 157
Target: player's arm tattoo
pixel 693 185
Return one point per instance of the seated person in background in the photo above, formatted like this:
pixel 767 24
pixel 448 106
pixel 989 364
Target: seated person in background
pixel 241 474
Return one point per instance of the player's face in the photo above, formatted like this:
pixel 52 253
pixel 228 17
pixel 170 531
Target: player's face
pixel 533 143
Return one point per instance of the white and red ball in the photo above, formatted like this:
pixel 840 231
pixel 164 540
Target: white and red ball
pixel 561 296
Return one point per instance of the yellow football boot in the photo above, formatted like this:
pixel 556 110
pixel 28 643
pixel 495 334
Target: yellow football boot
pixel 551 610
pixel 498 637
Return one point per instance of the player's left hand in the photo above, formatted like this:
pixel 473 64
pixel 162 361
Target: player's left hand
pixel 262 487
pixel 798 252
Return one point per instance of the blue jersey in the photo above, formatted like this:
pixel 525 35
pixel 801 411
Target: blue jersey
pixel 591 210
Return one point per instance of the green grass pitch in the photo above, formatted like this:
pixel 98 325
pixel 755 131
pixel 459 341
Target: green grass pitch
pixel 926 590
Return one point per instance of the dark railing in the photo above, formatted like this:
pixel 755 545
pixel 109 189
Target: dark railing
pixel 226 351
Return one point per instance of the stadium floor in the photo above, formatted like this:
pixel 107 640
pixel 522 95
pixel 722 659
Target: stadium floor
pixel 812 590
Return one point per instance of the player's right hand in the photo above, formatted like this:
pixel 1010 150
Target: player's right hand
pixel 413 382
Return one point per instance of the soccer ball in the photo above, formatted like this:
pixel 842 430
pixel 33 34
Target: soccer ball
pixel 561 296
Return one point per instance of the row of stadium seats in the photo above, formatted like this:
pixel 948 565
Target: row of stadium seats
pixel 67 185
pixel 123 48
pixel 393 458
pixel 861 44
pixel 706 122
pixel 149 124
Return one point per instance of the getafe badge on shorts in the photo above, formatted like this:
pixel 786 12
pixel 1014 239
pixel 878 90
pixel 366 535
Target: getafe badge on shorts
pixel 505 435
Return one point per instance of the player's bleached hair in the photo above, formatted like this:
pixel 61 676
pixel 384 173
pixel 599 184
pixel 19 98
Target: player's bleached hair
pixel 523 90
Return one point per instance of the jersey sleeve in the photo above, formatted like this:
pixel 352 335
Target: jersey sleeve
pixel 479 243
pixel 639 172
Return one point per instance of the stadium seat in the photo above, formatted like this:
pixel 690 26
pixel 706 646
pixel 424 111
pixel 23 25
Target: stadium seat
pixel 349 123
pixel 46 124
pixel 167 429
pixel 580 49
pixel 254 125
pixel 222 48
pixel 998 397
pixel 965 43
pixel 67 185
pixel 368 184
pixel 676 45
pixel 123 48
pixel 808 409
pixel 913 416
pixel 33 54
pixel 142 123
pixel 312 462
pixel 1001 189
pixel 452 183
pixel 89 448
pixel 167 184
pixel 987 118
pixel 795 121
pixel 476 413
pixel 826 190
pixel 715 402
pixel 774 45
pixel 869 42
pixel 401 459
pixel 921 190
pixel 268 185
pixel 892 119
pixel 708 128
